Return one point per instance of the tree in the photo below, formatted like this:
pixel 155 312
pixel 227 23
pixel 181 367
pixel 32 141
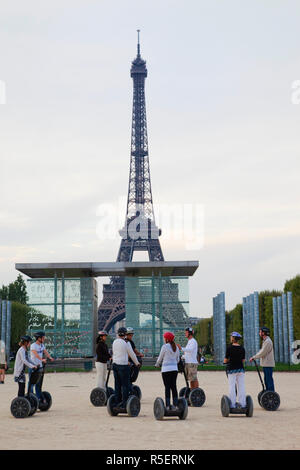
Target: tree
pixel 16 291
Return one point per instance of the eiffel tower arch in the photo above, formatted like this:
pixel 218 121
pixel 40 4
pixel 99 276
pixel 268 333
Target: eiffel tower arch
pixel 140 232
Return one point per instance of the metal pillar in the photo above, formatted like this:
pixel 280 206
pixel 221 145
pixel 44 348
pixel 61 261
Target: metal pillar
pixel 252 328
pixel 275 328
pixel 219 327
pixel 280 335
pixel 222 326
pixel 256 322
pixel 285 330
pixel 8 328
pixel 290 323
pixel 3 323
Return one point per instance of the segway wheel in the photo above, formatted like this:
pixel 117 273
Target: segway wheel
pixel 197 397
pixel 270 401
pixel 48 402
pixel 34 403
pixel 133 406
pixel 20 407
pixel 183 408
pixel 249 406
pixel 137 391
pixel 259 396
pixel 111 403
pixel 225 406
pixel 98 397
pixel 183 391
pixel 159 409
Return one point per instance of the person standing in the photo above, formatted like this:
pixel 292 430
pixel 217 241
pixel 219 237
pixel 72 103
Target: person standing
pixel 190 357
pixel 3 362
pixel 103 356
pixel 235 360
pixel 168 360
pixel 266 355
pixel 21 361
pixel 129 338
pixel 121 350
pixel 37 351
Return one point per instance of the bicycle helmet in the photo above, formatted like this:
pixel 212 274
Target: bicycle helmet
pixel 39 334
pixel 103 333
pixel 26 338
pixel 122 331
pixel 129 330
pixel 265 329
pixel 235 334
pixel 169 336
pixel 189 329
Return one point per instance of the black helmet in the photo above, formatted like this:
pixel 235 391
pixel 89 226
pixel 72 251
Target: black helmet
pixel 190 330
pixel 122 331
pixel 26 338
pixel 39 334
pixel 265 329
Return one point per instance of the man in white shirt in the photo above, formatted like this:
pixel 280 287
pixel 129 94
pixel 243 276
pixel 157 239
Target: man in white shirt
pixel 190 356
pixel 121 351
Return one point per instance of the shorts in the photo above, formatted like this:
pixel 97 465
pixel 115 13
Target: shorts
pixel 191 372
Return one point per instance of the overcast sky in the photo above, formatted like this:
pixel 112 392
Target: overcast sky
pixel 223 132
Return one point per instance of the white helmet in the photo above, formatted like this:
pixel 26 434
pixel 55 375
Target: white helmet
pixel 129 330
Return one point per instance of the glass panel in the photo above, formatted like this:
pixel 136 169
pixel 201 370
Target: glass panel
pixel 40 291
pixel 41 317
pixel 155 305
pixel 69 326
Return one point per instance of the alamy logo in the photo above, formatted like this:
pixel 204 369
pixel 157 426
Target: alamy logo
pixel 296 353
pixel 2 92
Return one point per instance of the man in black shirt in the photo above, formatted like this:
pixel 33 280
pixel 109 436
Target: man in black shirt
pixel 102 357
pixel 129 336
pixel 134 370
pixel 235 359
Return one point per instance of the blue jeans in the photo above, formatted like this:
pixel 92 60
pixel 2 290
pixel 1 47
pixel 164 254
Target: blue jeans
pixel 122 380
pixel 268 378
pixel 38 390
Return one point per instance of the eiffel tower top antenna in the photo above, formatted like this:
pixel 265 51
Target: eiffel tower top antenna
pixel 138 44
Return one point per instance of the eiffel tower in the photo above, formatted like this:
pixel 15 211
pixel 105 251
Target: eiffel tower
pixel 140 232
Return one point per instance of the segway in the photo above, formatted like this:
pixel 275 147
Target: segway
pixel 160 410
pixel 134 372
pixel 22 407
pixel 226 407
pixel 99 396
pixel 132 408
pixel 45 402
pixel 267 399
pixel 195 396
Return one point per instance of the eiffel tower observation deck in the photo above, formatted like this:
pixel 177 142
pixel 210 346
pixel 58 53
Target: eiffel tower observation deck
pixel 152 296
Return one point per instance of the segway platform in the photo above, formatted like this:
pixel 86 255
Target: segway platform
pixel 160 410
pixel 132 409
pixel 226 409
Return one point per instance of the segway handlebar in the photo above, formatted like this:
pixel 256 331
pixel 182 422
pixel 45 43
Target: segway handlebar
pixel 258 371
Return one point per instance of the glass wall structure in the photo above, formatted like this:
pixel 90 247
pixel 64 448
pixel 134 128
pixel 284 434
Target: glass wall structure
pixel 66 309
pixel 155 305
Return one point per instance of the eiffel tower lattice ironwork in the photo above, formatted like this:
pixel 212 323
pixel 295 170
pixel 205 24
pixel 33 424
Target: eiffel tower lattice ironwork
pixel 140 232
